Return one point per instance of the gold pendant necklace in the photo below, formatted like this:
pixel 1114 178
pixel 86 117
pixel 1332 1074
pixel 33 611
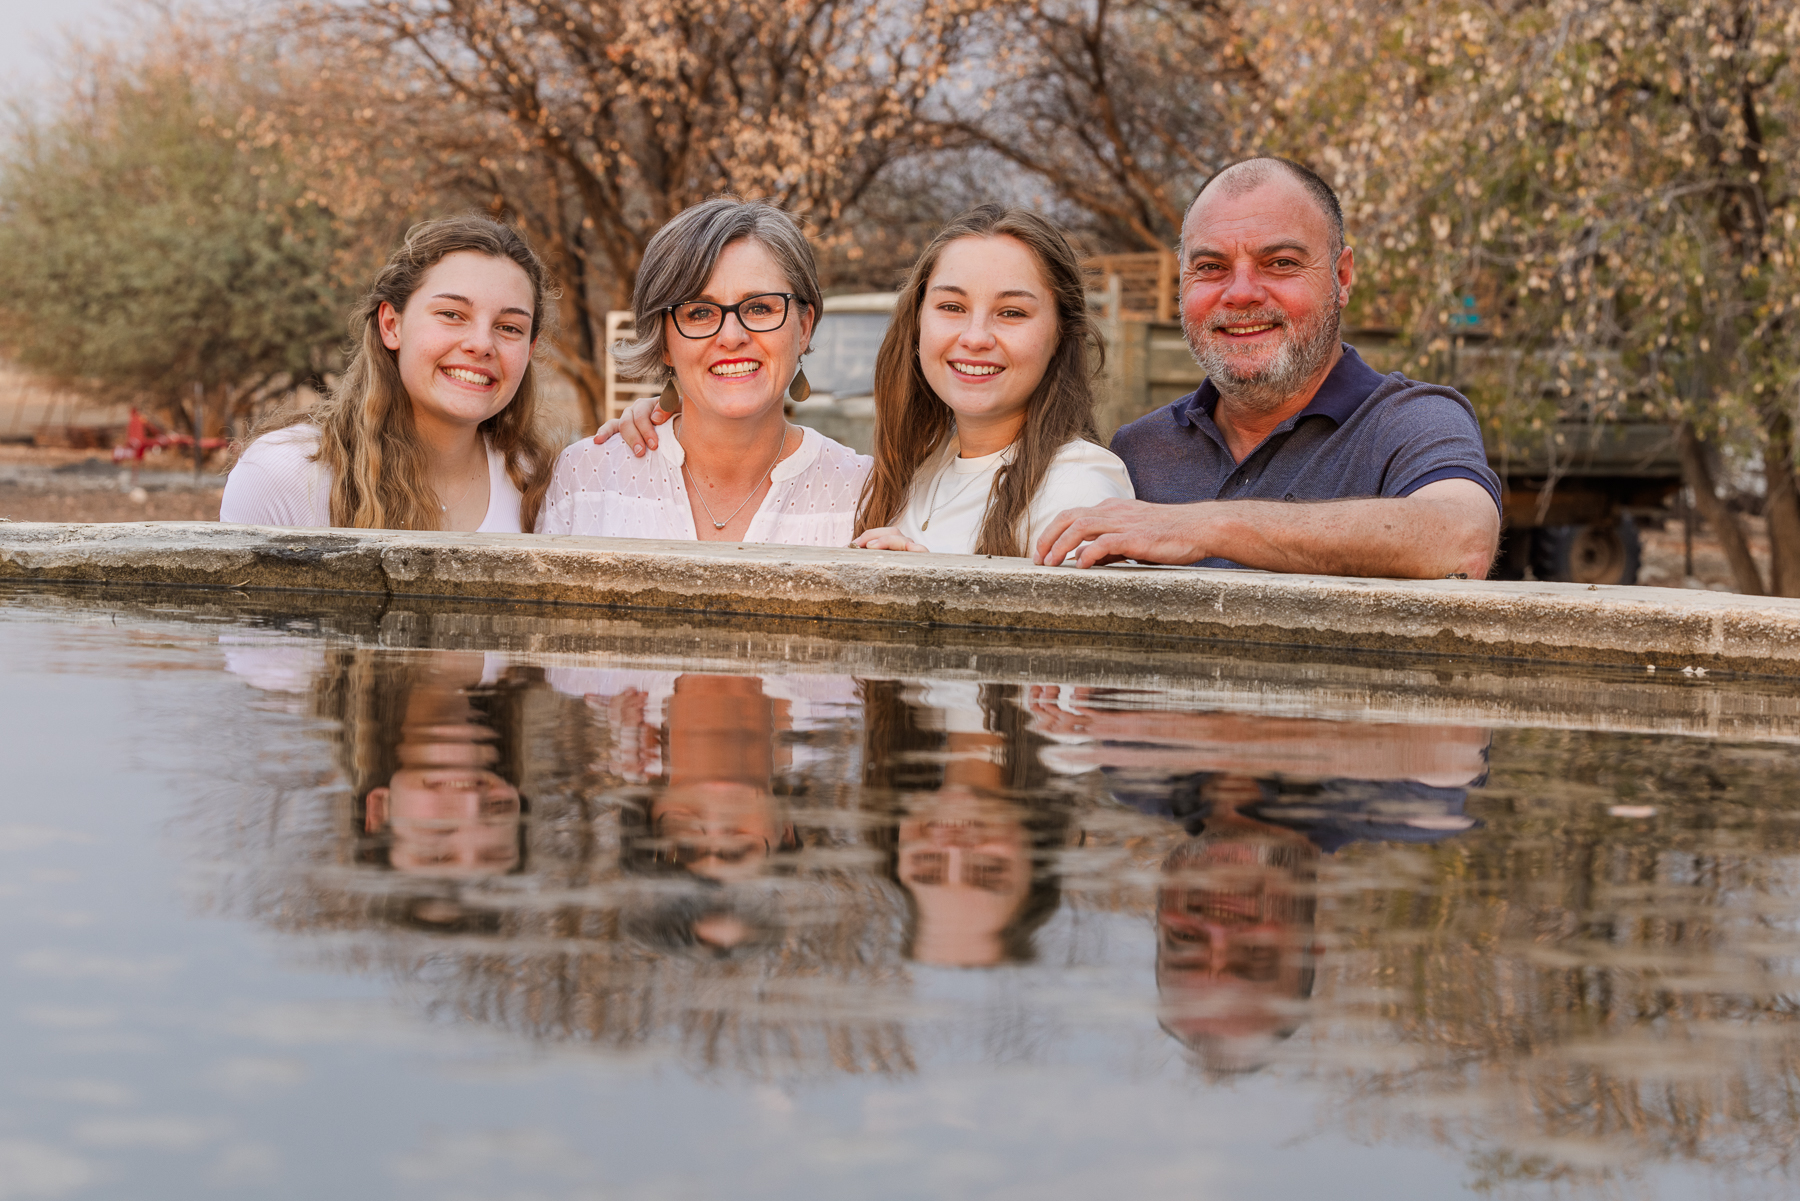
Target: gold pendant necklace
pixel 716 523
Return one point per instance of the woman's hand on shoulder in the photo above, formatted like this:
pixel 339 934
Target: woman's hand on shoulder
pixel 887 538
pixel 637 425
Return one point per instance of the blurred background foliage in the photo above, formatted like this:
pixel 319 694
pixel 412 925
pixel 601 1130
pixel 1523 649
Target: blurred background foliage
pixel 1577 207
pixel 154 248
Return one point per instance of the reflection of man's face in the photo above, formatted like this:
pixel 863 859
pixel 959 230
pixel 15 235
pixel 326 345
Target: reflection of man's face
pixel 1230 951
pixel 447 812
pixel 964 859
pixel 719 829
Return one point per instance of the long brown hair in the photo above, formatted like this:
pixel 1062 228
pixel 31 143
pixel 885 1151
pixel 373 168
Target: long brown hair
pixel 911 421
pixel 367 438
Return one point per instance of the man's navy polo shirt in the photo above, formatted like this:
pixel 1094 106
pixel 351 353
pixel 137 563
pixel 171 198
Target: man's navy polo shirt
pixel 1364 434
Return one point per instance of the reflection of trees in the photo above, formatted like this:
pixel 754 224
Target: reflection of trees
pixel 1577 991
pixel 805 1005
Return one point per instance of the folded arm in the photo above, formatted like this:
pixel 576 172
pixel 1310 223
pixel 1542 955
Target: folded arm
pixel 1445 528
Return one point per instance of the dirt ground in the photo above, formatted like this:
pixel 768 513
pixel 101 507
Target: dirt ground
pixel 66 485
pixel 73 485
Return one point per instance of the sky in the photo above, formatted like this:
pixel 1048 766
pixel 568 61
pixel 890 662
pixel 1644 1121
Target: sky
pixel 34 29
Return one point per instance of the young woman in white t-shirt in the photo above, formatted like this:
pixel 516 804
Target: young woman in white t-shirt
pixel 433 425
pixel 984 407
pixel 984 426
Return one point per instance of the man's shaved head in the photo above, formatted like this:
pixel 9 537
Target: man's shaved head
pixel 1249 174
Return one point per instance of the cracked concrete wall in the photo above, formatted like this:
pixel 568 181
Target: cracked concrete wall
pixel 1642 628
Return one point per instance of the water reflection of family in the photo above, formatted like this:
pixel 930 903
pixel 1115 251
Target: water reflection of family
pixel 759 819
pixel 954 804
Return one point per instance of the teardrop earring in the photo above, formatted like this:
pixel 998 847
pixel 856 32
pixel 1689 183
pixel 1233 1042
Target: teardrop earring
pixel 801 388
pixel 670 399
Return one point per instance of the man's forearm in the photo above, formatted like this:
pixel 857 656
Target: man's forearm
pixel 1403 537
pixel 1450 527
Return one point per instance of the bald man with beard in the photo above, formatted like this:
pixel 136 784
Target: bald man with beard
pixel 1294 455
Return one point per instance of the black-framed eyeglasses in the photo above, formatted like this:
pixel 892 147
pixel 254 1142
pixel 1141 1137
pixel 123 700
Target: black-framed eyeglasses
pixel 761 314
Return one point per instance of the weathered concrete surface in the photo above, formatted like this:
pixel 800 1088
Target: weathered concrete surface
pixel 1248 678
pixel 1570 623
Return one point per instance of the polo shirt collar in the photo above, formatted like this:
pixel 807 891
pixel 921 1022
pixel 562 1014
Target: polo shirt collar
pixel 1350 383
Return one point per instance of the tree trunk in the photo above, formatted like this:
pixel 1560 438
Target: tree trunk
pixel 589 384
pixel 1715 513
pixel 1781 503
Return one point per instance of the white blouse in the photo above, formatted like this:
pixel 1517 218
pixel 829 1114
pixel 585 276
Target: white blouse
pixel 277 482
pixel 605 491
pixel 949 497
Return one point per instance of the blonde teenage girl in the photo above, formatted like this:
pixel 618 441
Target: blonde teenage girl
pixel 434 423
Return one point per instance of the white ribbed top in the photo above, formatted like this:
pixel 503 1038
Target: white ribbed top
pixel 605 491
pixel 276 482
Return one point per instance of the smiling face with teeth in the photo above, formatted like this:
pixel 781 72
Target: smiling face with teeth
pixel 738 374
pixel 987 331
pixel 1262 285
pixel 463 341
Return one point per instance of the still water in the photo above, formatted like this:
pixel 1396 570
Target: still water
pixel 414 905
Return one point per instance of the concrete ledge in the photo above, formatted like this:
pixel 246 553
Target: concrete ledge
pixel 1568 623
pixel 1278 681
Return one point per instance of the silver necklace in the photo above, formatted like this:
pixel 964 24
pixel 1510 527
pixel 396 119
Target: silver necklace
pixel 445 508
pixel 717 524
pixel 931 505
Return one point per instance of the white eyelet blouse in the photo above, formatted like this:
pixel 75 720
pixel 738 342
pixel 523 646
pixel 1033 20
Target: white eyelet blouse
pixel 605 491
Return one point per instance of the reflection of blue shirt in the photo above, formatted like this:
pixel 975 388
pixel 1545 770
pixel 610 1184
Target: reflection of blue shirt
pixel 1363 434
pixel 1330 813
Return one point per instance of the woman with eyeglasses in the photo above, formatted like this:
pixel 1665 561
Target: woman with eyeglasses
pixel 726 300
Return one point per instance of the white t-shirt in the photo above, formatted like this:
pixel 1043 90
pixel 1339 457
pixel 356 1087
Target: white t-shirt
pixel 605 491
pixel 949 497
pixel 276 482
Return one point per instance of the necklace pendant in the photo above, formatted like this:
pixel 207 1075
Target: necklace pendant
pixel 925 525
pixel 718 525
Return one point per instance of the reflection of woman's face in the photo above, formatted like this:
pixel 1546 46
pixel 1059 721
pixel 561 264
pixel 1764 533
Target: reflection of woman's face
pixel 452 821
pixel 964 859
pixel 717 817
pixel 717 828
pixel 447 812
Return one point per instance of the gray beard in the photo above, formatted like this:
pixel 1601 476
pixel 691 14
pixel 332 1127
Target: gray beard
pixel 1304 349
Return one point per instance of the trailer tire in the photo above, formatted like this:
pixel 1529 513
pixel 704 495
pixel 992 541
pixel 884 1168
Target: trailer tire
pixel 1587 554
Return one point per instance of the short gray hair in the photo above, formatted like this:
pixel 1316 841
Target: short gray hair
pixel 682 255
pixel 1248 174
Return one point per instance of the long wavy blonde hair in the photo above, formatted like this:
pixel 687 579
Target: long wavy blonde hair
pixel 367 438
pixel 912 421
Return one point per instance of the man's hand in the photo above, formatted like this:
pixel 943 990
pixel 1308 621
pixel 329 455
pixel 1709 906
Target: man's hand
pixel 1125 529
pixel 1444 528
pixel 637 425
pixel 887 538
